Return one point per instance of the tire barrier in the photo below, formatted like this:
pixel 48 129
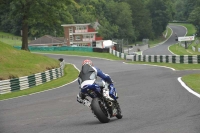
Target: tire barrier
pixel 181 59
pixel 118 54
pixel 26 82
pixel 101 50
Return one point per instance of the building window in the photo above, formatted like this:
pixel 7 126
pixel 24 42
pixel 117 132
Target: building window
pixel 81 27
pixel 78 38
pixel 89 36
pixel 70 30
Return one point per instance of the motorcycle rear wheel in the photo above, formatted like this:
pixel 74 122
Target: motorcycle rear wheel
pixel 99 110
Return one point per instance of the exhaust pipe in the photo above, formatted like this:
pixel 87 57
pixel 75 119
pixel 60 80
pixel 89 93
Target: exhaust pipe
pixel 110 103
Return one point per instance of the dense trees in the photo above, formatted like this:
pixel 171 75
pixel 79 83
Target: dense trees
pixel 195 19
pixel 188 10
pixel 141 20
pixel 33 15
pixel 130 19
pixel 159 14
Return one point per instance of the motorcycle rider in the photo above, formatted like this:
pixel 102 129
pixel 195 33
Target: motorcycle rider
pixel 88 76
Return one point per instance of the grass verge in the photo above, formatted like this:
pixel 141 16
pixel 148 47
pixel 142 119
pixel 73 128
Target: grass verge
pixel 17 63
pixel 192 81
pixel 10 39
pixel 70 75
pixel 179 50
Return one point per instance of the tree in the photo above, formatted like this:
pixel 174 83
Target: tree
pixel 39 29
pixel 160 16
pixel 189 6
pixel 35 11
pixel 195 19
pixel 7 23
pixel 83 13
pixel 111 16
pixel 119 14
pixel 107 30
pixel 141 19
pixel 179 8
pixel 170 8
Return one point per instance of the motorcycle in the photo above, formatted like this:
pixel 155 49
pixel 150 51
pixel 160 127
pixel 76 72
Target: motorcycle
pixel 102 105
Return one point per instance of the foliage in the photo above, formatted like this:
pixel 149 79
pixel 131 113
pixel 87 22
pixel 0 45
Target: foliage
pixel 128 19
pixel 195 19
pixel 120 14
pixel 141 20
pixel 34 12
pixel 160 16
pixel 183 8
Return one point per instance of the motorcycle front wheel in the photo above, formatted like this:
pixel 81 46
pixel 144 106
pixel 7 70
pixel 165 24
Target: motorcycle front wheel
pixel 99 110
pixel 119 113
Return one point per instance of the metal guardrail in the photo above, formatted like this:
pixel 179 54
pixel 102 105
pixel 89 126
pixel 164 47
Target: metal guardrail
pixel 181 59
pixel 26 82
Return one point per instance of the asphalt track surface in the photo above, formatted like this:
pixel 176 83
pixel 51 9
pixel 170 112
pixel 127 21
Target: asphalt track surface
pixel 162 49
pixel 151 98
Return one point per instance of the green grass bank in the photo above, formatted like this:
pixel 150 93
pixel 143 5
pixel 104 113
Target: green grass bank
pixel 17 63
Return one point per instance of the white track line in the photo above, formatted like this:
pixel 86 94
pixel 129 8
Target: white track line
pixel 153 65
pixel 179 79
pixel 187 88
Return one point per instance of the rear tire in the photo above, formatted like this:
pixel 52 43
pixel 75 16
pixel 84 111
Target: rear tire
pixel 99 110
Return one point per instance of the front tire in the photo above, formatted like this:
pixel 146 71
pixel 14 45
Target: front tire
pixel 99 110
pixel 119 112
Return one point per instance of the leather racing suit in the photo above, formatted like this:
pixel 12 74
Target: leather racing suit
pixel 88 76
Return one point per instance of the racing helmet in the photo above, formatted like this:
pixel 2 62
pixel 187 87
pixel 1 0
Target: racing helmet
pixel 89 62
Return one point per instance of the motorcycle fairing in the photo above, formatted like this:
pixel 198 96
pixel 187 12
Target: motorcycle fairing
pixel 89 88
pixel 112 91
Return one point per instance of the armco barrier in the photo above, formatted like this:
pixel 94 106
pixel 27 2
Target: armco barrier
pixel 181 59
pixel 26 82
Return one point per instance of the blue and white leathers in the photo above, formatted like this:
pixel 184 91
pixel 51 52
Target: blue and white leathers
pixel 88 76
